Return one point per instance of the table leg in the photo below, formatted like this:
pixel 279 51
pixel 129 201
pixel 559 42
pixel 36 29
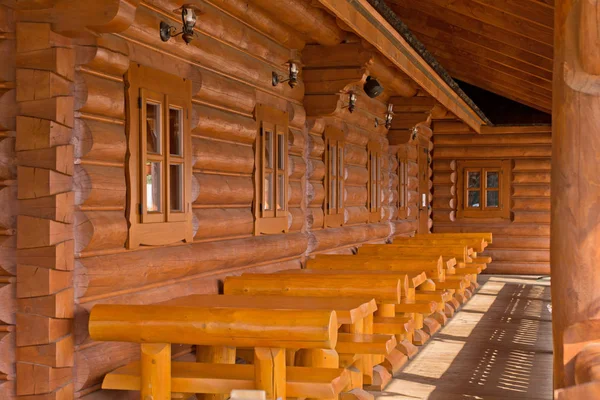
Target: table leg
pixel 269 372
pixel 156 371
pixel 214 355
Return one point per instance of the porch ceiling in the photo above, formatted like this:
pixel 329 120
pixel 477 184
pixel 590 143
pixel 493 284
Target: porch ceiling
pixel 503 46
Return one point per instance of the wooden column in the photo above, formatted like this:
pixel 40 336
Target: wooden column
pixel 575 228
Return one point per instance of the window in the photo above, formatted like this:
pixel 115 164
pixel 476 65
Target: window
pixel 402 202
pixel 374 189
pixel 334 179
pixel 159 171
pixel 484 189
pixel 271 173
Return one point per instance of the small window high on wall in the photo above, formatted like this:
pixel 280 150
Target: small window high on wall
pixel 271 173
pixel 334 179
pixel 375 184
pixel 484 189
pixel 159 171
pixel 402 201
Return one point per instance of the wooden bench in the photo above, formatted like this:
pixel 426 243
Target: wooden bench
pixel 478 244
pixel 383 290
pixel 457 235
pixel 269 332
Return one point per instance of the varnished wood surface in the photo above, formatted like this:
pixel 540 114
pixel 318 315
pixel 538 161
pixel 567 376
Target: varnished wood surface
pixel 499 346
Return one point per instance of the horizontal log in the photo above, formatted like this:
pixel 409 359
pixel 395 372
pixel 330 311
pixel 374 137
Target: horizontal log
pixel 357 175
pixel 49 232
pixel 39 182
pixel 225 190
pixel 223 223
pixel 215 90
pixel 441 178
pixel 451 127
pixel 398 83
pixel 109 55
pixel 8 213
pixel 440 202
pixel 512 229
pixel 297 219
pixel 531 177
pixel 316 170
pixel 295 193
pixel 444 190
pixel 493 152
pixel 103 275
pixel 99 230
pixel 532 190
pixel 532 165
pixel 315 218
pixel 444 165
pixel 47 84
pixel 404 227
pixel 221 326
pixel 315 194
pixel 356 196
pixel 531 204
pixel 98 140
pixel 7 349
pixel 444 215
pixel 522 256
pixel 386 290
pixel 297 120
pixel 355 155
pixel 296 138
pixel 8 164
pixel 58 208
pixel 517 242
pixel 540 217
pixel 99 96
pixel 218 124
pixel 413 183
pixel 356 215
pixel 316 146
pixel 99 186
pixel 492 140
pixel 8 302
pixel 329 239
pixel 518 268
pixel 354 134
pixel 212 155
pixel 260 19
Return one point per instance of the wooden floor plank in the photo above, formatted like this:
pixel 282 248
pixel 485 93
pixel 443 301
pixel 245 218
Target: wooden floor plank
pixel 499 346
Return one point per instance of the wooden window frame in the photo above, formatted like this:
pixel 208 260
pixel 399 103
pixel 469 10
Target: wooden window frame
pixel 503 167
pixel 402 172
pixel 274 220
pixel 374 162
pixel 334 203
pixel 145 84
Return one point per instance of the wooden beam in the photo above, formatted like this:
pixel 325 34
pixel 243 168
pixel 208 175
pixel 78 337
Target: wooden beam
pixel 534 11
pixel 369 24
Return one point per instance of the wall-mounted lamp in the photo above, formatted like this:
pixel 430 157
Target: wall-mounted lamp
pixel 389 116
pixel 414 132
pixel 352 98
pixel 292 79
pixel 372 87
pixel 188 20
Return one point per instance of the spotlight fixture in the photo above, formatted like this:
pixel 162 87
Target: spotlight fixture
pixel 389 116
pixel 292 80
pixel 352 101
pixel 372 87
pixel 188 20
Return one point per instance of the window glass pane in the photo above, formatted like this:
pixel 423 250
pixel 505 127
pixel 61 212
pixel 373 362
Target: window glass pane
pixel 280 152
pixel 492 180
pixel 176 187
pixel 474 200
pixel 153 186
pixel 333 194
pixel 268 200
pixel 373 196
pixel 176 131
pixel 280 192
pixel 269 149
pixel 341 193
pixel 492 198
pixel 153 128
pixel 474 180
pixel 333 160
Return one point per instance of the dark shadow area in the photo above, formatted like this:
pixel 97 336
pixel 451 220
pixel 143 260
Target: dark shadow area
pixel 494 348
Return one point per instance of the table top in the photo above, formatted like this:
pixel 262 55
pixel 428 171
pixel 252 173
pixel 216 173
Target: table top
pixel 348 310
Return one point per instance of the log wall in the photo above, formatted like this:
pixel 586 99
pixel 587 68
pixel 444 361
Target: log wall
pixel 522 243
pixel 8 200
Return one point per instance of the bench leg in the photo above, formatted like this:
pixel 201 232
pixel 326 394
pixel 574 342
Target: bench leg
pixel 322 358
pixel 214 355
pixel 156 371
pixel 269 372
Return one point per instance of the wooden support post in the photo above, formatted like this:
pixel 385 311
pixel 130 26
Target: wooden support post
pixel 575 223
pixel 216 355
pixel 269 371
pixel 156 371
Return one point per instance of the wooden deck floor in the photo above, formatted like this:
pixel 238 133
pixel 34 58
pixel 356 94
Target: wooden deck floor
pixel 499 346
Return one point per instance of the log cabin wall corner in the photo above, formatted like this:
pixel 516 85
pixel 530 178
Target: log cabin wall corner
pixel 65 133
pixel 519 197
